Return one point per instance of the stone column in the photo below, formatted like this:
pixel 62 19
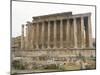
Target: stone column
pixel 75 33
pixel 84 37
pixel 42 35
pixel 22 38
pixel 26 38
pixel 89 31
pixel 55 34
pixel 28 35
pixel 61 34
pixel 82 33
pixel 37 35
pixel 48 34
pixel 32 36
pixel 67 33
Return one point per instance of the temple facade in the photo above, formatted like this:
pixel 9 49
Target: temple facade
pixel 56 39
pixel 61 30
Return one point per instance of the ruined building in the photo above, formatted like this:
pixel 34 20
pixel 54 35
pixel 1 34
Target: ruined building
pixel 56 38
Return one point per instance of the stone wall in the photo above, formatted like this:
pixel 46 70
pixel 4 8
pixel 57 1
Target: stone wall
pixel 57 56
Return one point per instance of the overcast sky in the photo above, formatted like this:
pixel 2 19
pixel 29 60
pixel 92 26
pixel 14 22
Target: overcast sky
pixel 24 11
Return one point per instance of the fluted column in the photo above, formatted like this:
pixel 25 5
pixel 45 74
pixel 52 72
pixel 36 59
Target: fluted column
pixel 55 34
pixel 75 33
pixel 42 34
pixel 82 33
pixel 48 34
pixel 22 38
pixel 61 34
pixel 37 35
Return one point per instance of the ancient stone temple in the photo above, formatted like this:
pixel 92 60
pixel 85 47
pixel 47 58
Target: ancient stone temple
pixel 56 39
pixel 61 30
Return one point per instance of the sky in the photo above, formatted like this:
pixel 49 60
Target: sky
pixel 24 11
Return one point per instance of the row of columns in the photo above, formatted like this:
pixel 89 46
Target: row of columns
pixel 30 30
